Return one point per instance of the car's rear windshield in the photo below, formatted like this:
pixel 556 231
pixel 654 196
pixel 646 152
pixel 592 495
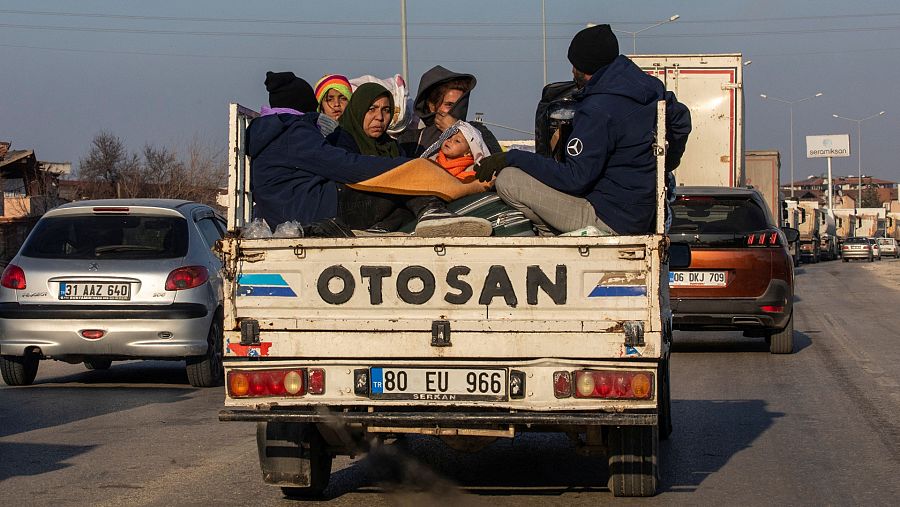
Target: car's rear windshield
pixel 717 215
pixel 858 241
pixel 885 241
pixel 108 237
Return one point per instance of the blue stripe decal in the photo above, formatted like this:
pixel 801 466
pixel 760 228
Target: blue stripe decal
pixel 377 386
pixel 262 279
pixel 618 290
pixel 256 290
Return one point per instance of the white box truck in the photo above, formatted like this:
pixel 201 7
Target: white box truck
pixel 334 343
pixel 711 86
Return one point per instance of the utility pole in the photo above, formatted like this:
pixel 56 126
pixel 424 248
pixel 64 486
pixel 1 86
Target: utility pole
pixel 405 55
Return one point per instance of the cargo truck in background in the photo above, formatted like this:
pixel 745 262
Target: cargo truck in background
pixel 711 86
pixel 809 231
pixel 845 223
pixel 333 345
pixel 868 222
pixel 792 216
pixel 762 170
pixel 892 225
pixel 829 246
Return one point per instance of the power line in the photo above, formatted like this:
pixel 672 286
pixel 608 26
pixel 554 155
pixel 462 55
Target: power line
pixel 430 23
pixel 258 58
pixel 384 60
pixel 144 31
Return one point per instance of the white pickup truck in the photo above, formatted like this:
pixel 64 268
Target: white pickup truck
pixel 331 343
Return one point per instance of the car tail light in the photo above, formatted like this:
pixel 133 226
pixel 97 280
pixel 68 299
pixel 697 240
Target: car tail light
pixel 316 384
pixel 562 384
pixel 260 383
pixel 764 238
pixel 772 308
pixel 92 334
pixel 13 277
pixel 187 277
pixel 611 384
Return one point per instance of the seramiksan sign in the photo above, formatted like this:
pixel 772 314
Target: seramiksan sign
pixel 837 145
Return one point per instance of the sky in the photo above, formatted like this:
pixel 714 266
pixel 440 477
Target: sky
pixel 163 72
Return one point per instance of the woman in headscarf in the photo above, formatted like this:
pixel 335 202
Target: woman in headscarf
pixel 364 123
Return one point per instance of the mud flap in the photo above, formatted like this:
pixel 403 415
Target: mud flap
pixel 291 454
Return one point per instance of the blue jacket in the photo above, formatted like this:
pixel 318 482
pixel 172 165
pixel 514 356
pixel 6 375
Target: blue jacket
pixel 609 157
pixel 294 172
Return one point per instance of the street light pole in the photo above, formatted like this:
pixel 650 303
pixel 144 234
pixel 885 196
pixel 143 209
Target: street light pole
pixel 544 37
pixel 404 52
pixel 634 34
pixel 859 151
pixel 790 104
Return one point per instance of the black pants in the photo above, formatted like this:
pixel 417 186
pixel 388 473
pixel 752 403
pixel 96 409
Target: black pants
pixel 368 210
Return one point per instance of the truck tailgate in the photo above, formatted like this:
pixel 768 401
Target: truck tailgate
pixel 506 297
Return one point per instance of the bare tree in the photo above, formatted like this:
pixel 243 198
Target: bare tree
pixel 107 167
pixel 195 175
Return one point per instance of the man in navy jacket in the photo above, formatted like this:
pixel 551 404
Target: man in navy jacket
pixel 608 177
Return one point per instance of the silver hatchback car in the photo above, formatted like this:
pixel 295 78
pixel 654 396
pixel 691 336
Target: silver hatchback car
pixel 108 280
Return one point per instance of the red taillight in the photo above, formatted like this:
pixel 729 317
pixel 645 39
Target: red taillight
pixel 772 308
pixel 92 334
pixel 616 385
pixel 13 277
pixel 562 384
pixel 111 209
pixel 187 277
pixel 316 384
pixel 259 383
pixel 764 238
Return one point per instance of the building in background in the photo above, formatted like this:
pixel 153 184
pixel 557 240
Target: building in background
pixel 30 188
pixel 846 190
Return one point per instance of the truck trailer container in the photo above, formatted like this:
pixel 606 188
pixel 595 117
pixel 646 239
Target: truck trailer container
pixel 711 86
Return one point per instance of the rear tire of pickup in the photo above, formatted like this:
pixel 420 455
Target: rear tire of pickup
pixel 782 342
pixel 19 370
pixel 207 370
pixel 319 466
pixel 97 364
pixel 633 460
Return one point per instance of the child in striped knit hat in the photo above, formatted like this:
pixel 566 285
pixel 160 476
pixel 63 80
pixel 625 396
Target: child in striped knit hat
pixel 333 93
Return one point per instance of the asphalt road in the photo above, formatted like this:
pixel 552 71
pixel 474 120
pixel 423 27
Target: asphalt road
pixel 820 426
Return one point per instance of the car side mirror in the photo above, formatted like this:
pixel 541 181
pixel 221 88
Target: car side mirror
pixel 679 256
pixel 792 235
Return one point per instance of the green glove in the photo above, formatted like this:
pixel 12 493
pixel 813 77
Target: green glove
pixel 489 166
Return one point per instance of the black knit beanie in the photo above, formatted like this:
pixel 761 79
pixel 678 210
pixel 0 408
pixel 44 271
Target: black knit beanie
pixel 593 48
pixel 287 90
